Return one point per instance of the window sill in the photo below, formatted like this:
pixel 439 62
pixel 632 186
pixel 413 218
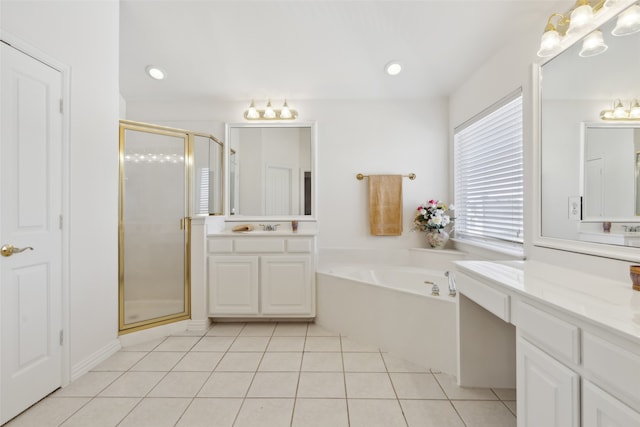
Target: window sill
pixel 495 249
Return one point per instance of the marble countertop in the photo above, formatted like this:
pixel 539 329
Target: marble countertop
pixel 604 302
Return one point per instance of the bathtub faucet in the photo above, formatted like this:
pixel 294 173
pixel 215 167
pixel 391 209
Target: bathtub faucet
pixel 452 283
pixel 435 291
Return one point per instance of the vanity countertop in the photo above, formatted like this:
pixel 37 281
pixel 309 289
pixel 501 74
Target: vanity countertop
pixel 260 233
pixel 601 301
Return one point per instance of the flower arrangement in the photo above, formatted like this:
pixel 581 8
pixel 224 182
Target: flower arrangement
pixel 433 215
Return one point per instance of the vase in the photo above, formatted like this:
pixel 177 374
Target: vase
pixel 437 239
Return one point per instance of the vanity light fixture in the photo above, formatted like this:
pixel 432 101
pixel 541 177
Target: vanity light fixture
pixel 618 112
pixel 155 73
pixel 628 22
pixel 270 113
pixel 593 44
pixel 580 17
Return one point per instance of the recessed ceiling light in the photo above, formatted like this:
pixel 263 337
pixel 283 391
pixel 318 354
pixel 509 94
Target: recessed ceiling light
pixel 155 72
pixel 393 68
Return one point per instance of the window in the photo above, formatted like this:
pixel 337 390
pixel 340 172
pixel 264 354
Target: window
pixel 489 175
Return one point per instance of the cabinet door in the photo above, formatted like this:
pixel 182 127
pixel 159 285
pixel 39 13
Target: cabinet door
pixel 600 409
pixel 547 390
pixel 233 285
pixel 286 285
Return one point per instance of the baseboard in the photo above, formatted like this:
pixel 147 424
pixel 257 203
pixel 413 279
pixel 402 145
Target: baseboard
pixel 84 366
pixel 199 325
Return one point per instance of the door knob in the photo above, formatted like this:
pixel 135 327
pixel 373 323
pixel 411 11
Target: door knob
pixel 8 250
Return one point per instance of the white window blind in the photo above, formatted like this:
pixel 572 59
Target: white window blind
pixel 489 174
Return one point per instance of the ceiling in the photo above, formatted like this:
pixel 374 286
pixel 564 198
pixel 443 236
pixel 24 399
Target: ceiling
pixel 241 50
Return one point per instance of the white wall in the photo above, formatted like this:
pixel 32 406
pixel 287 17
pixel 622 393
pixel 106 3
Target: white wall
pixel 510 68
pixel 84 36
pixel 368 136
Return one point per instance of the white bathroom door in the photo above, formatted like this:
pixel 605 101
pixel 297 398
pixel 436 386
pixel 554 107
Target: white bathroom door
pixel 278 190
pixel 30 231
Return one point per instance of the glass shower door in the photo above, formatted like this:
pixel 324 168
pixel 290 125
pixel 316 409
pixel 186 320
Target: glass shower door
pixel 153 238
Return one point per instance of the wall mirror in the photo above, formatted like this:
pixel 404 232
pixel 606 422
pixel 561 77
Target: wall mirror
pixel 587 166
pixel 271 171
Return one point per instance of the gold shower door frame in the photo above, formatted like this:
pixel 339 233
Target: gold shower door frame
pixel 125 125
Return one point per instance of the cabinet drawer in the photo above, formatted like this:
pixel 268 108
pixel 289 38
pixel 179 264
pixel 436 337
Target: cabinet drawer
pixel 612 367
pixel 560 338
pixel 265 245
pixel 220 245
pixel 492 300
pixel 299 245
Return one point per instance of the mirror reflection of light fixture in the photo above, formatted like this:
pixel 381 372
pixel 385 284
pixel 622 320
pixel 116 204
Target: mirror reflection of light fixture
pixel 593 44
pixel 618 112
pixel 628 22
pixel 270 113
pixel 580 18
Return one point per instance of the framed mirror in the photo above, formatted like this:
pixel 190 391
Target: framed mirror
pixel 587 167
pixel 271 171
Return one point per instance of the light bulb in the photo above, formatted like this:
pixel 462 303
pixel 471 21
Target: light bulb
pixel 252 113
pixel 268 112
pixel 285 113
pixel 628 22
pixel 593 44
pixel 580 17
pixel 549 43
pixel 618 110
pixel 634 109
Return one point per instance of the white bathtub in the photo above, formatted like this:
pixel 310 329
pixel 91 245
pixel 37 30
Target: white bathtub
pixel 392 308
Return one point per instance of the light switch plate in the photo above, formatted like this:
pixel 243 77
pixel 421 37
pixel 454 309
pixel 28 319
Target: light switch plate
pixel 575 208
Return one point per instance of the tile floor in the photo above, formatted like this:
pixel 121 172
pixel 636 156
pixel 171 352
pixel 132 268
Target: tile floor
pixel 266 375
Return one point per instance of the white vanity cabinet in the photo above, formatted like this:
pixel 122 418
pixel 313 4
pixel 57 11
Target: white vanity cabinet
pixel 577 344
pixel 261 276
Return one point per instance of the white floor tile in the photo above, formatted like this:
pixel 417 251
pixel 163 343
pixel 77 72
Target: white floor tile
pixel 227 384
pixel 485 414
pixel 89 385
pixel 210 412
pixel 50 412
pixel 322 344
pixel 213 344
pixel 158 361
pixel 225 329
pixel 102 412
pixel 349 345
pixel 322 362
pixel 511 404
pixel 274 362
pixel 133 384
pixel 286 344
pixel 240 362
pixel 274 384
pixel 320 413
pixel 290 330
pixel 375 413
pixel 396 364
pixel 258 330
pixel 455 392
pixel 177 344
pixel 199 361
pixel 321 385
pixel 410 385
pixel 315 330
pixel 180 384
pixel 250 344
pixel 156 412
pixel 505 393
pixel 144 346
pixel 369 385
pixel 363 362
pixel 121 361
pixel 430 413
pixel 265 413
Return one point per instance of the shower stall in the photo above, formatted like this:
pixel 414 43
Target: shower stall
pixel 167 175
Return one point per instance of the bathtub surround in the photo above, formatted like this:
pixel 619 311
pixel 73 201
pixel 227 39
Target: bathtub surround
pixel 388 303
